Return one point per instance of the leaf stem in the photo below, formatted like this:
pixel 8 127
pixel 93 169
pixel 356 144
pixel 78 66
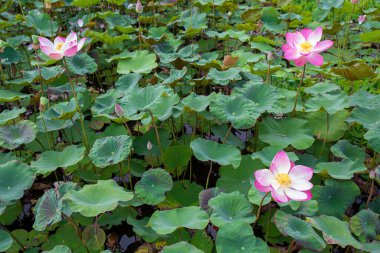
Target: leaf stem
pixel 209 174
pixel 23 248
pixel 156 130
pixel 259 210
pixel 228 132
pixel 298 90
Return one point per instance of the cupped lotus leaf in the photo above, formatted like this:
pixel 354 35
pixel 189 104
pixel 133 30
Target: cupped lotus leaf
pixel 285 132
pixel 164 109
pixel 175 75
pixel 127 82
pixel 62 111
pixel 94 237
pixel 240 112
pixel 98 198
pixel 229 208
pixel 110 150
pixel 335 196
pixel 196 102
pixel 335 231
pixel 321 88
pixel 365 225
pixel 366 117
pixel 53 124
pixel 7 115
pixel 42 23
pixel 301 231
pixel 223 154
pixel 373 136
pixel 50 207
pixel 13 136
pixel 81 64
pixel 27 78
pixel 266 155
pixel 255 196
pixel 354 71
pixel 263 95
pixel 51 73
pixel 344 149
pixel 153 185
pixel 229 34
pixel 141 62
pixel 59 249
pixel 51 160
pixel 317 121
pixel 239 237
pixel 15 178
pixel 332 103
pixel 184 193
pixel 224 77
pixel 166 222
pixel 365 100
pixel 105 105
pixel 5 241
pixel 183 247
pixel 177 157
pixel 344 169
pixel 9 55
pixel 238 179
pixel 140 228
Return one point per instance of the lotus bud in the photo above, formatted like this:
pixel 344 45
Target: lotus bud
pixel 139 7
pixel 48 4
pixel 355 1
pixel 35 39
pixel 361 19
pixel 119 111
pixel 270 56
pixel 43 104
pixel 149 145
pixel 80 22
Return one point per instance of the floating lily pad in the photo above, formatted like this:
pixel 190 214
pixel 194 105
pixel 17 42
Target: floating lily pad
pixel 223 154
pixel 15 178
pixel 166 222
pixel 183 247
pixel 13 136
pixel 7 115
pixel 230 207
pixel 301 231
pixel 81 64
pixel 224 77
pixel 153 185
pixel 51 160
pixel 98 198
pixel 285 132
pixel 365 225
pixel 110 150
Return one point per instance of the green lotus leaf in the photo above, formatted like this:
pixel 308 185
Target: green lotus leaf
pixel 177 157
pixel 59 249
pixel 62 111
pixel 255 196
pixel 81 64
pixel 271 19
pixel 196 102
pixel 85 3
pixel 354 71
pixel 164 109
pixel 51 73
pixel 285 103
pixel 51 160
pixel 98 198
pixel 366 117
pixel 6 157
pixel 202 241
pixel 140 228
pixel 5 241
pixel 365 225
pixel 184 193
pixel 322 88
pixel 141 62
pixel 105 105
pixel 9 55
pixel 12 211
pixel 267 154
pixel 240 112
pixel 335 231
pixel 344 149
pixel 50 207
pixel 10 95
pixel 127 82
pixel 239 237
pixel 246 57
pixel 64 235
pixel 166 222
pixel 373 136
pixel 335 196
pixel 317 121
pixel 344 169
pixel 94 237
pixel 110 150
pixel 175 75
pixel 301 231
pixel 223 154
pixel 193 19
pixel 307 208
pixel 229 208
pixel 27 78
pixel 53 124
pixel 220 131
pixel 7 115
pixel 140 143
pixel 263 95
pixel 332 103
pixel 229 34
pixel 42 23
pixel 15 178
pixel 285 132
pixel 365 100
pixel 183 247
pixel 206 195
pixel 224 77
pixel 238 179
pixel 153 185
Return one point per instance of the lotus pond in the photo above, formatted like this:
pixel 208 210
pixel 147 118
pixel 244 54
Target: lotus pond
pixel 176 126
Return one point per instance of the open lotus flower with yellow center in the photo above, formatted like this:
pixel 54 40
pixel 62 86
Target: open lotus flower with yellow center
pixel 285 180
pixel 61 47
pixel 305 46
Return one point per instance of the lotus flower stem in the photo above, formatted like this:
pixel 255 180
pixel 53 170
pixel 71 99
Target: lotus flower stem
pixel 298 89
pixel 156 130
pixel 78 107
pixel 77 229
pixel 259 210
pixel 23 248
pixel 327 131
pixel 371 191
pixel 208 176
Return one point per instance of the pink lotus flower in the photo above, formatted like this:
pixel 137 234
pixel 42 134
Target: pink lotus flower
pixel 285 180
pixel 361 19
pixel 139 7
pixel 305 46
pixel 61 47
pixel 355 1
